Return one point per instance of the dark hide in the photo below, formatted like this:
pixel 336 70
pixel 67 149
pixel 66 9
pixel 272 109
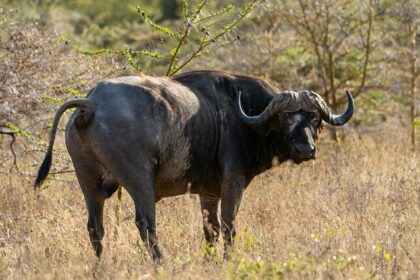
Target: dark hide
pixel 160 137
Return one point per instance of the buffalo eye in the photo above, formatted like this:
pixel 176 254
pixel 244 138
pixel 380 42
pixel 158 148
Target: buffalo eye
pixel 288 118
pixel 315 121
pixel 314 118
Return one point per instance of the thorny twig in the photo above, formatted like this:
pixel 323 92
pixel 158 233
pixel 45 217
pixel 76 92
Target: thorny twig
pixel 11 134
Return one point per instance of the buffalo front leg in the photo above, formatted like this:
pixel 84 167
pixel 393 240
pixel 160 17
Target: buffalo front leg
pixel 211 224
pixel 232 191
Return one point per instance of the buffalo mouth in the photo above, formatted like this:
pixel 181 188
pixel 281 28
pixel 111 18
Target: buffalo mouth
pixel 300 160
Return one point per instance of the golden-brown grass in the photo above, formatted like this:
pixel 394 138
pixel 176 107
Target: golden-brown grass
pixel 351 214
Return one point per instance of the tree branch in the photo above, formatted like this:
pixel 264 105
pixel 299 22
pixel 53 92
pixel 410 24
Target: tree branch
pixel 367 50
pixel 11 134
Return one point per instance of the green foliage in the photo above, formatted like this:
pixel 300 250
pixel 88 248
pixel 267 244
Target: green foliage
pixel 210 253
pixel 52 99
pixel 287 61
pixel 295 52
pixel 204 27
pixel 25 134
pixel 76 92
pixel 63 89
pixel 106 13
pixel 222 11
pixel 290 57
pixel 349 66
pixel 134 57
pixel 156 26
pixel 248 238
pixel 354 56
pixel 305 70
pixel 187 40
pixel 339 44
pixel 257 270
pixel 185 8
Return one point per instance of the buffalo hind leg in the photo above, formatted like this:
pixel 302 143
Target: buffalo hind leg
pixel 91 183
pixel 146 221
pixel 211 224
pixel 232 191
pixel 95 227
pixel 138 180
pixel 95 203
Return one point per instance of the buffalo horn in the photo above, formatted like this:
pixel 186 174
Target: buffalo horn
pixel 256 120
pixel 337 120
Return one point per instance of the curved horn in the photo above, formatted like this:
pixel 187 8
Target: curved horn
pixel 337 120
pixel 253 120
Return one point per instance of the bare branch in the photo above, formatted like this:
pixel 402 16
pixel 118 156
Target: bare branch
pixel 367 50
pixel 12 135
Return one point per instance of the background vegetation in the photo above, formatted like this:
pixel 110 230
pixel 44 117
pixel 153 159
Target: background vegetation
pixel 353 213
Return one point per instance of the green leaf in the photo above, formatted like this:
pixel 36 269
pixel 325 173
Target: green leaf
pixel 225 10
pixel 305 70
pixel 185 8
pixel 354 56
pixel 25 134
pixel 156 26
pixel 93 52
pixel 294 53
pixel 146 53
pixel 52 99
pixel 64 39
pixel 75 92
pixel 173 51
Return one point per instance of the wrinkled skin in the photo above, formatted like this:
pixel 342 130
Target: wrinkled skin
pixel 198 132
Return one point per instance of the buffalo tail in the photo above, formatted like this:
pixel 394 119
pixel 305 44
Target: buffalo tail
pixel 46 164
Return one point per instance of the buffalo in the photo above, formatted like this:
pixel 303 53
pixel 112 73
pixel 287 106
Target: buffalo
pixel 202 132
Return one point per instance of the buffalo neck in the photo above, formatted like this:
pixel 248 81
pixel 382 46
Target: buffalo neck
pixel 270 150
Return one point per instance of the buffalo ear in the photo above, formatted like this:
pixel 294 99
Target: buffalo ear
pixel 272 125
pixel 321 126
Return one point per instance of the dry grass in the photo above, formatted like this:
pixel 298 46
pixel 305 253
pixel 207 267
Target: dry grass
pixel 351 214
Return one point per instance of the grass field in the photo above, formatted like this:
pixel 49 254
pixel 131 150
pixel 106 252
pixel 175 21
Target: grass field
pixel 351 214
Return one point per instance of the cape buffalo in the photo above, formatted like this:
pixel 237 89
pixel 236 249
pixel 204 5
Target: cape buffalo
pixel 203 132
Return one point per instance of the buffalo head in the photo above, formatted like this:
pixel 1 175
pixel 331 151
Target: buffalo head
pixel 297 117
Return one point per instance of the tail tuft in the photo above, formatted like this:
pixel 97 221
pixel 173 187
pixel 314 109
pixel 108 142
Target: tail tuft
pixel 43 170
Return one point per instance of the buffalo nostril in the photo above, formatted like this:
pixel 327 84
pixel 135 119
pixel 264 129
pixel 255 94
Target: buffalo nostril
pixel 312 150
pixel 302 148
pixel 305 150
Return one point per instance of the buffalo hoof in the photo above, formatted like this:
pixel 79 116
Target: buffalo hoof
pixel 95 241
pixel 97 246
pixel 157 256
